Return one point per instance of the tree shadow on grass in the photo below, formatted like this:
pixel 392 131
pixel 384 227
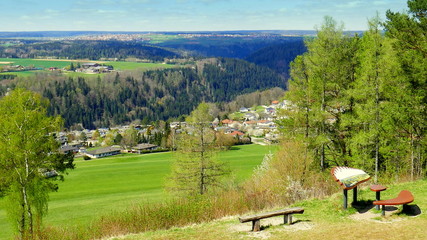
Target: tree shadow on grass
pixel 235 148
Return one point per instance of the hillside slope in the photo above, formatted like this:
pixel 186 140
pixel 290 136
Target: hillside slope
pixel 322 219
pixel 151 95
pixel 278 56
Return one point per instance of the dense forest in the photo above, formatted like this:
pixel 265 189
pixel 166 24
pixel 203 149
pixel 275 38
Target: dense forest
pixel 230 47
pixel 148 96
pixel 361 101
pixel 203 46
pixel 93 50
pixel 278 56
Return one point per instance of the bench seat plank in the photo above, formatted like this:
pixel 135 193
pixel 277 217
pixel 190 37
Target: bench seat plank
pixel 295 210
pixel 404 197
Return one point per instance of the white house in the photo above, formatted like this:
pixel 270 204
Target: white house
pixel 104 152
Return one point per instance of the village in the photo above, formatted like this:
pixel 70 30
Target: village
pixel 249 125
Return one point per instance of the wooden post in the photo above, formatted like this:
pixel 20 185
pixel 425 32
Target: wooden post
pixel 355 195
pixel 256 225
pixel 345 198
pixel 377 197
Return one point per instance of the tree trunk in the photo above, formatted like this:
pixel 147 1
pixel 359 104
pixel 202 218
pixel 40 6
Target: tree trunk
pixel 412 157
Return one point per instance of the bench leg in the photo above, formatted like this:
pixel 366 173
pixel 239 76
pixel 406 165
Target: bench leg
pixel 290 219
pixel 256 225
pixel 355 195
pixel 345 198
pixel 285 219
pixel 383 211
pixel 378 196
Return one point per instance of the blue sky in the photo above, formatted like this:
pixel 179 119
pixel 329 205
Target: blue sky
pixel 187 15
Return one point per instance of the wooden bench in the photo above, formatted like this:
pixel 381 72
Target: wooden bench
pixel 256 226
pixel 403 198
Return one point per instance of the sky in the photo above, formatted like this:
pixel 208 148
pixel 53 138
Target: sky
pixel 188 15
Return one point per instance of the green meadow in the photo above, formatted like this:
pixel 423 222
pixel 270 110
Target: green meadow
pixel 100 186
pixel 322 219
pixel 61 63
pixel 121 66
pixel 42 63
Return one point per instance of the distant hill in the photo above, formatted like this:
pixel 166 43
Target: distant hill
pixel 278 56
pixel 235 46
pixel 87 50
pixel 151 95
pixel 63 34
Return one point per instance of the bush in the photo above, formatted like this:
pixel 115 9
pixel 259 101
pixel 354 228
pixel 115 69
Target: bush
pixel 86 157
pixel 287 177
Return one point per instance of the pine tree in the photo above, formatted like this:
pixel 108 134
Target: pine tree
pixel 409 32
pixel 318 92
pixel 196 169
pixel 372 94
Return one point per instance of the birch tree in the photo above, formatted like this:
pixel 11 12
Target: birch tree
pixel 28 158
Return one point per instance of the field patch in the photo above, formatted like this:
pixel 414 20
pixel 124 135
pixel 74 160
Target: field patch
pixel 43 65
pixel 99 186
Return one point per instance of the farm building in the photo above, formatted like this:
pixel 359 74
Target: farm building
pixel 69 149
pixel 144 147
pixel 104 152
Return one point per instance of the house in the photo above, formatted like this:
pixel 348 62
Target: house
pixel 90 65
pixel 266 124
pixel 104 152
pixel 174 124
pixel 244 110
pixel 270 110
pixel 140 148
pixel 69 149
pixel 250 117
pixel 227 122
pixel 237 134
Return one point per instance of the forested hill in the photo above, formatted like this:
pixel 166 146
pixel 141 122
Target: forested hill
pixel 161 94
pixel 94 50
pixel 278 56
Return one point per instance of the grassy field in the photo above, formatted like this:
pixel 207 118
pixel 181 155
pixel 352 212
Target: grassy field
pixel 61 63
pixel 102 185
pixel 322 219
pixel 35 62
pixel 121 66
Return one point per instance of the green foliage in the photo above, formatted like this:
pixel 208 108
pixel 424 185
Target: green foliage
pixel 27 154
pixel 320 79
pixel 409 32
pixel 361 101
pixel 130 137
pixel 196 169
pixel 279 56
pixel 148 96
pixel 89 50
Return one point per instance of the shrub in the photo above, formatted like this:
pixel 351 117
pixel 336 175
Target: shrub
pixel 287 177
pixel 86 157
